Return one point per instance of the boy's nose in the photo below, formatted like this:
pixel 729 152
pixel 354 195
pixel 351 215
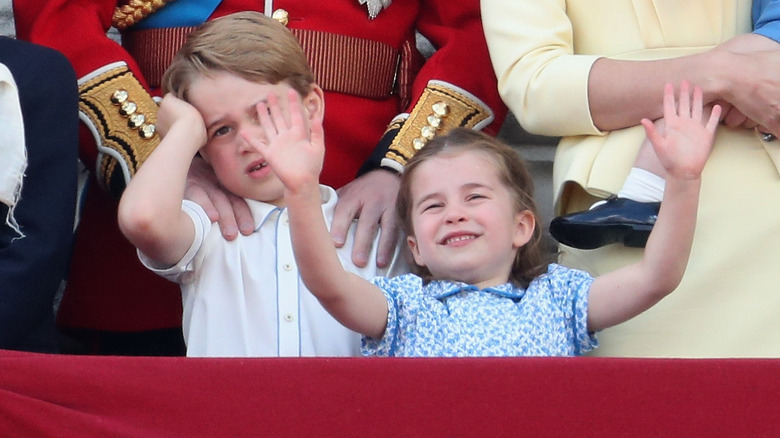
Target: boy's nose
pixel 246 145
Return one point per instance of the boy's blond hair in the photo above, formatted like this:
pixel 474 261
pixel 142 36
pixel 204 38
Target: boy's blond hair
pixel 247 44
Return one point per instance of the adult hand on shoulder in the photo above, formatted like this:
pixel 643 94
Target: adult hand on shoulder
pixel 231 211
pixel 370 199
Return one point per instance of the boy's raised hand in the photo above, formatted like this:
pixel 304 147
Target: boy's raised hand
pixel 294 147
pixel 173 110
pixel 685 144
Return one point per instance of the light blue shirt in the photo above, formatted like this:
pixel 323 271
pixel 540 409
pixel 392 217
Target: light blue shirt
pixel 766 18
pixel 445 318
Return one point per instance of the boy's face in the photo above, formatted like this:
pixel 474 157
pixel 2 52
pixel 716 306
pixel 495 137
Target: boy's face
pixel 228 104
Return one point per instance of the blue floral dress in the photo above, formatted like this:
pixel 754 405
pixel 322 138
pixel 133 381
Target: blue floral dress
pixel 446 318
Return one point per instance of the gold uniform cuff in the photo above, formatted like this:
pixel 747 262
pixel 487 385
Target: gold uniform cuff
pixel 441 108
pixel 121 115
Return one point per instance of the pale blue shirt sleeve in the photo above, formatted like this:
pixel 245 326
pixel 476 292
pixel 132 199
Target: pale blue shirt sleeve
pixel 766 18
pixel 399 311
pixel 570 288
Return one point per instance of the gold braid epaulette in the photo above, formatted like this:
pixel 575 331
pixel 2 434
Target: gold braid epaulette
pixel 122 117
pixel 135 11
pixel 441 108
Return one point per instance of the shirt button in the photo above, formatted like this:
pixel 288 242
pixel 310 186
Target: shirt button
pixel 289 318
pixel 286 221
pixel 281 16
pixel 287 267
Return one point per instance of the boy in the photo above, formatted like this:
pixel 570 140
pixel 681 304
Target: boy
pixel 243 297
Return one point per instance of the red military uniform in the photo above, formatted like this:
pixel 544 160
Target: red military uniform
pixel 368 67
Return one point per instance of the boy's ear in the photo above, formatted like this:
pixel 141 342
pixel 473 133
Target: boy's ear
pixel 314 102
pixel 204 155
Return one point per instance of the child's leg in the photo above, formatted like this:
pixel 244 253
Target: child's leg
pixel 627 218
pixel 645 182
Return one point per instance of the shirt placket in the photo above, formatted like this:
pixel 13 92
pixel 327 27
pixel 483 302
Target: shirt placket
pixel 287 290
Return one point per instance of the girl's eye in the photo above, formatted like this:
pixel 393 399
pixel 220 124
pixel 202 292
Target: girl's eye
pixel 476 196
pixel 431 206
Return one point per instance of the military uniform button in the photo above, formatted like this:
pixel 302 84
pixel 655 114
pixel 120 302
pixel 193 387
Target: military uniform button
pixel 147 131
pixel 136 120
pixel 128 108
pixel 281 16
pixel 119 96
pixel 441 109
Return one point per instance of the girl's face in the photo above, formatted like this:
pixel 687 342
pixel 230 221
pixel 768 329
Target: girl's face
pixel 228 104
pixel 466 227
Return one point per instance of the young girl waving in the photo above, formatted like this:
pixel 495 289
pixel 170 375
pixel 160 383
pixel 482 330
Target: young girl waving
pixel 481 287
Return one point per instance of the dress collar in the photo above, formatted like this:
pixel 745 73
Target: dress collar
pixel 441 289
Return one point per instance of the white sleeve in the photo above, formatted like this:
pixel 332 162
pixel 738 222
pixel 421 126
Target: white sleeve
pixel 174 273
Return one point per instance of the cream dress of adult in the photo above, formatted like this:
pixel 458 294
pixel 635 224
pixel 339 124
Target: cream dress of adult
pixel 728 304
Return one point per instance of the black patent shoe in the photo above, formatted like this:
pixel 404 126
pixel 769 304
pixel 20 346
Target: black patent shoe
pixel 617 220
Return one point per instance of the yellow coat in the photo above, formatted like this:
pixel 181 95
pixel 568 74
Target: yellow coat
pixel 729 301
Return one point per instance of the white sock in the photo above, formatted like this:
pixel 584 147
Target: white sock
pixel 641 186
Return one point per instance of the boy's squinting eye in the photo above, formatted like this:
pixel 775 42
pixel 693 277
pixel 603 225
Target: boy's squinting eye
pixel 221 131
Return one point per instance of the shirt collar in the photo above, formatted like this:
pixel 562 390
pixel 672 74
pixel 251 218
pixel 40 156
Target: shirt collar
pixel 262 211
pixel 441 289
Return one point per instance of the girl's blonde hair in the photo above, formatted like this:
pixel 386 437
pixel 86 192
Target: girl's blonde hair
pixel 247 44
pixel 531 260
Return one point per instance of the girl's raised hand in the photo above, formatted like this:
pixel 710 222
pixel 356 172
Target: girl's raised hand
pixel 686 141
pixel 294 147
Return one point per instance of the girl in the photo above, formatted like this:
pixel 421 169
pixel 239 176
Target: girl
pixel 481 288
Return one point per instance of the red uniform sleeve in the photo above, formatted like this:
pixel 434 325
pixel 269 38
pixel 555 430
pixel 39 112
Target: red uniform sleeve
pixel 455 87
pixel 461 57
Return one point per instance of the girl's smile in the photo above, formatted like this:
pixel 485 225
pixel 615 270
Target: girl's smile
pixel 458 239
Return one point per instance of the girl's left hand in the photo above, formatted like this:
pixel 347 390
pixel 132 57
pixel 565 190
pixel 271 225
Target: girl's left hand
pixel 685 144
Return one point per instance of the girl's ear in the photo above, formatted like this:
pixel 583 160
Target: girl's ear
pixel 415 250
pixel 314 103
pixel 524 230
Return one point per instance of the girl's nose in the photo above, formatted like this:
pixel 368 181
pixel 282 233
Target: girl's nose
pixel 454 213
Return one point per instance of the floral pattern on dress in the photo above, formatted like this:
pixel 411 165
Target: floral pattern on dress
pixel 446 318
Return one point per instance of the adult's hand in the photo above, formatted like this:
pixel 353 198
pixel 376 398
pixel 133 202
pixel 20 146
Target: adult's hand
pixel 231 211
pixel 732 117
pixel 755 88
pixel 370 199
